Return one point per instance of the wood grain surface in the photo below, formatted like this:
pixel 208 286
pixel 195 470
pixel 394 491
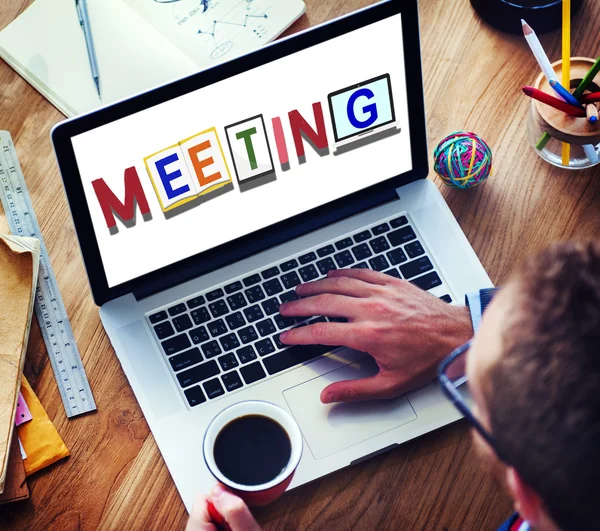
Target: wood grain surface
pixel 115 477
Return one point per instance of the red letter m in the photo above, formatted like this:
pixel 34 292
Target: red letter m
pixel 111 205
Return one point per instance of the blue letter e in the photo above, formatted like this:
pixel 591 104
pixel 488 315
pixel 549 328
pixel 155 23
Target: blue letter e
pixel 166 178
pixel 370 109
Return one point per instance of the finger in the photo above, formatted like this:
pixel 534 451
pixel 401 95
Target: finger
pixel 374 387
pixel 332 334
pixel 199 518
pixel 233 509
pixel 366 275
pixel 324 304
pixel 340 285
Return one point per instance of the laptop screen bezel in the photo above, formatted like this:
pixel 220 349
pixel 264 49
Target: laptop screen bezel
pixel 277 233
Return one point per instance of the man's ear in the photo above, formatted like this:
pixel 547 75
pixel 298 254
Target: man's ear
pixel 527 502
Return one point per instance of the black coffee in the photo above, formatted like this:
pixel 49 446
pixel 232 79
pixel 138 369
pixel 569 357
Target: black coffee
pixel 252 450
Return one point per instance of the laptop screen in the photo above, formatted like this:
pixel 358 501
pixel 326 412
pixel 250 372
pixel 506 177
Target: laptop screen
pixel 247 152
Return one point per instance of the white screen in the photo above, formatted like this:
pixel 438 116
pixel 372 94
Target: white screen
pixel 227 131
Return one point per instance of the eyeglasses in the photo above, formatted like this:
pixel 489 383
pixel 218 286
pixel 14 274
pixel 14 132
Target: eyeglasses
pixel 453 379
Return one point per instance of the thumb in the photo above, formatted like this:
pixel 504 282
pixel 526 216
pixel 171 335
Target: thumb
pixel 374 387
pixel 233 510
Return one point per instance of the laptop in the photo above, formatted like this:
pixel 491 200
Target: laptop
pixel 200 206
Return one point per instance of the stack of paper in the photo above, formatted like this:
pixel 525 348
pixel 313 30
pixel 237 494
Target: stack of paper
pixel 19 262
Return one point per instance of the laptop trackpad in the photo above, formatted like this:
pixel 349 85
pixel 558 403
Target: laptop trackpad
pixel 329 428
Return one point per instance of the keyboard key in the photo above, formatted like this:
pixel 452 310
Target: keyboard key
pixel 290 280
pixel 214 294
pixel 414 249
pixel 398 222
pixel 327 264
pixel 289 265
pixel 416 267
pixel 380 229
pixel 246 354
pixel 199 335
pixel 195 302
pixel 232 381
pixel 324 251
pixel 400 236
pixel 271 306
pixel 393 273
pixel 198 373
pixel 228 361
pixel 397 256
pixel 213 388
pixel 317 320
pixel 183 322
pixel 185 359
pixel 288 297
pixel 248 334
pixel 283 322
pixel 270 273
pixel 446 298
pixel 176 344
pixel 308 273
pixel 379 263
pixel 308 257
pixel 211 349
pixel 379 244
pixel 428 281
pixel 253 313
pixel 235 320
pixel 255 294
pixel 159 316
pixel 362 236
pixel 229 342
pixel 236 301
pixel 360 265
pixel 251 280
pixel 272 287
pixel 218 308
pixel 277 339
pixel 361 251
pixel 293 356
pixel 344 259
pixel 216 328
pixel 177 309
pixel 194 396
pixel 233 287
pixel 265 327
pixel 253 372
pixel 163 330
pixel 200 315
pixel 343 244
pixel 265 346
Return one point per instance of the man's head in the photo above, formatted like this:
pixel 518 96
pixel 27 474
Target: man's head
pixel 534 372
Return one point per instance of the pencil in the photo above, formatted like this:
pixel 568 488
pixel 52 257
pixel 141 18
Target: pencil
pixel 592 97
pixel 588 78
pixel 538 51
pixel 591 112
pixel 564 93
pixel 546 98
pixel 566 64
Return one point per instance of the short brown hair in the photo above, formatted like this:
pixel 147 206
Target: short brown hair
pixel 544 401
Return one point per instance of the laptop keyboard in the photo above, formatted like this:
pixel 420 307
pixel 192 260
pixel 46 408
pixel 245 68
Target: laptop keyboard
pixel 226 338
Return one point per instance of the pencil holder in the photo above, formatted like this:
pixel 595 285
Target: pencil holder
pixel 548 128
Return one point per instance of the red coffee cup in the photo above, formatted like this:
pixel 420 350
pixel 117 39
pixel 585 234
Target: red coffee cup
pixel 268 491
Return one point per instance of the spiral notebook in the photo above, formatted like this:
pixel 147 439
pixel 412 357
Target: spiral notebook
pixel 139 44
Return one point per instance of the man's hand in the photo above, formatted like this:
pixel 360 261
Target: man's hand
pixel 408 331
pixel 232 509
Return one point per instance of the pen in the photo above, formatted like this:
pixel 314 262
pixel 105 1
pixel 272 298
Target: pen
pixel 84 21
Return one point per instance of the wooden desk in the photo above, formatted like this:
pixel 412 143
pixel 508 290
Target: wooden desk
pixel 116 478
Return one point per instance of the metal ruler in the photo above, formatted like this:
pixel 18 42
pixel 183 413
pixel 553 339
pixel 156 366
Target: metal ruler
pixel 49 307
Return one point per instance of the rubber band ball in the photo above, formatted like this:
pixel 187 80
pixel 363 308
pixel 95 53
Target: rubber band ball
pixel 463 160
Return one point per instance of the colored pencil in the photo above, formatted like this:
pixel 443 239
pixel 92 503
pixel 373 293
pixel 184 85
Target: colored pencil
pixel 588 78
pixel 538 51
pixel 564 93
pixel 592 97
pixel 546 98
pixel 591 153
pixel 591 112
pixel 566 65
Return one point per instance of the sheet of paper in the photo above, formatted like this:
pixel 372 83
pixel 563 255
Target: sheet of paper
pixel 211 31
